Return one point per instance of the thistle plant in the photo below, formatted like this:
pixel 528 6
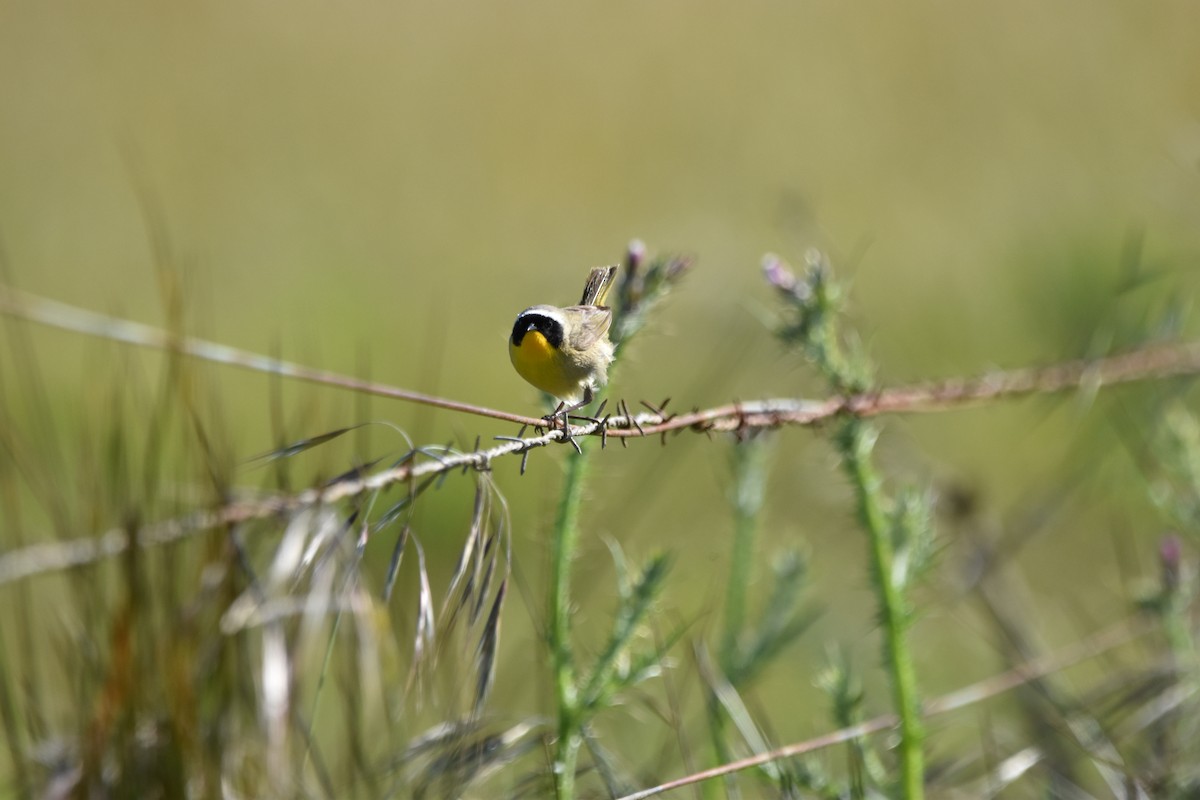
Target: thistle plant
pixel 898 528
pixel 582 692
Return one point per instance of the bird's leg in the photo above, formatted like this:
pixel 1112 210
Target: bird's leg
pixel 588 397
pixel 552 418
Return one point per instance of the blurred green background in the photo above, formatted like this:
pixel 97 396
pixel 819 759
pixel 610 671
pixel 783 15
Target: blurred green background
pixel 388 184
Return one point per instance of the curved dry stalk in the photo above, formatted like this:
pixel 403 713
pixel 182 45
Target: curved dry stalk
pixel 63 316
pixel 1152 362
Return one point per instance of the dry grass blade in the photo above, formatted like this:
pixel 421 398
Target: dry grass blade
pixel 423 639
pixel 470 559
pixel 302 445
pixel 389 581
pixel 485 556
pixel 276 702
pixel 489 641
pixel 1145 698
pixel 307 536
pixel 393 513
pixel 444 761
pixel 485 582
pixel 606 766
pixel 725 694
pixel 353 474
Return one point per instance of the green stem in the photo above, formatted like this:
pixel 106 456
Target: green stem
pixel 563 546
pixel 748 479
pixel 721 752
pixel 856 441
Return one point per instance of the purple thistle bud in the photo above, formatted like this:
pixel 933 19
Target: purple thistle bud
pixel 1170 554
pixel 635 255
pixel 778 273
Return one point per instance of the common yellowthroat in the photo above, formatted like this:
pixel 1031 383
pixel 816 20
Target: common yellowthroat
pixel 565 351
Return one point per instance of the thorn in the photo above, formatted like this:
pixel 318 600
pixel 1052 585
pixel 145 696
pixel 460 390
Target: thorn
pixel 663 404
pixel 627 421
pixel 636 424
pixel 521 433
pixel 524 460
pixel 603 403
pixel 604 430
pixel 474 449
pixel 652 409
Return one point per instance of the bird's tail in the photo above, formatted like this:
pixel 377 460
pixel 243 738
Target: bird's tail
pixel 599 281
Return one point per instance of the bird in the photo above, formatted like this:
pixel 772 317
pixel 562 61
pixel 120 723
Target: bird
pixel 566 351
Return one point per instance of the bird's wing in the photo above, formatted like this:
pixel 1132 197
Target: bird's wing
pixel 593 325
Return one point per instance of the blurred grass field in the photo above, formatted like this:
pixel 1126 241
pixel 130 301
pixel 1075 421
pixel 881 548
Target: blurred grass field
pixel 380 188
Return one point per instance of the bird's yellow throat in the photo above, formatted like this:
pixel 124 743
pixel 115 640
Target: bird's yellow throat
pixel 540 363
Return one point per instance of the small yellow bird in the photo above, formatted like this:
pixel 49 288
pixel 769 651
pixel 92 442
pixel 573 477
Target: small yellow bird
pixel 565 351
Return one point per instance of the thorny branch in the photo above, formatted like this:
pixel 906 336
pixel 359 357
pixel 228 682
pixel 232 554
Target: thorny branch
pixel 1150 363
